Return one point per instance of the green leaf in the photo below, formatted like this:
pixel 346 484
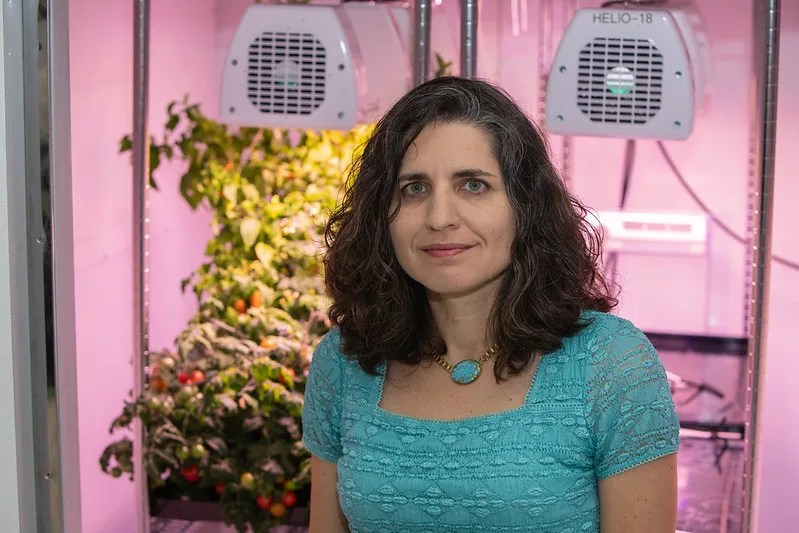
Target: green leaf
pixel 168 459
pixel 226 402
pixel 217 444
pixel 250 192
pixel 265 253
pixel 230 191
pixel 222 467
pixel 172 122
pixel 253 423
pixel 249 400
pixel 126 144
pixel 250 228
pixel 188 190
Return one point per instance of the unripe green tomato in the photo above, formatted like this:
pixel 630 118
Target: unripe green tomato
pixel 167 405
pixel 247 481
pixel 198 451
pixel 183 453
pixel 167 362
pixel 116 471
pixel 185 394
pixel 231 317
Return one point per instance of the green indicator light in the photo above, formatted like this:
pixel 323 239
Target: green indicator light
pixel 620 80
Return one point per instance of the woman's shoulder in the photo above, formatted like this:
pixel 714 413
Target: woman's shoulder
pixel 598 323
pixel 604 339
pixel 329 358
pixel 600 328
pixel 611 347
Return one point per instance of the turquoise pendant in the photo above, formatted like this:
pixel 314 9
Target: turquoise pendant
pixel 466 372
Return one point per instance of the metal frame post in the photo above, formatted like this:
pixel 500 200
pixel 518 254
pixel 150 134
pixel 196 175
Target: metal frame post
pixel 421 42
pixel 468 38
pixel 764 119
pixel 63 273
pixel 140 142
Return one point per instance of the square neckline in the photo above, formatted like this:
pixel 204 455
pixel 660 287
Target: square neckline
pixel 462 420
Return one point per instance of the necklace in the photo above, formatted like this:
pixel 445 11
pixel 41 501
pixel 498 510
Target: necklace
pixel 468 370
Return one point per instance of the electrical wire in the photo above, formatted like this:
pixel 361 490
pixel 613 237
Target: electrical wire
pixel 629 162
pixel 627 3
pixel 715 219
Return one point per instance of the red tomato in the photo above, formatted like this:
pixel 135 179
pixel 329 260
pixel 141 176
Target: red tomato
pixel 263 502
pixel 289 498
pixel 286 377
pixel 190 473
pixel 197 376
pixel 240 306
pixel 256 299
pixel 277 510
pixel 220 488
pixel 159 384
pixel 183 377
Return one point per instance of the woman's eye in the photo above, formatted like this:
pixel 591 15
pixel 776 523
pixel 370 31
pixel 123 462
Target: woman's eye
pixel 475 186
pixel 414 188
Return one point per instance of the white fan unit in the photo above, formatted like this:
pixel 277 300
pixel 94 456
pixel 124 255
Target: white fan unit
pixel 633 73
pixel 316 67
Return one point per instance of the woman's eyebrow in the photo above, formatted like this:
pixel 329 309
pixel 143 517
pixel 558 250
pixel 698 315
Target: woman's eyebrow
pixel 412 176
pixel 463 173
pixel 473 173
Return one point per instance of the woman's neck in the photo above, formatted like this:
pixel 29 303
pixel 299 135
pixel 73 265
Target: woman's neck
pixel 462 320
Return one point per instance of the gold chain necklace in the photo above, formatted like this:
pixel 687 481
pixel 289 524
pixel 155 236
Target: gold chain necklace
pixel 468 370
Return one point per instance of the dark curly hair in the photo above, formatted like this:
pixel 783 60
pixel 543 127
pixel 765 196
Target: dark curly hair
pixel 383 314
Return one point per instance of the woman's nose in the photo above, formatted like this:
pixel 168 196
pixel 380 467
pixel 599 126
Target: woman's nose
pixel 442 211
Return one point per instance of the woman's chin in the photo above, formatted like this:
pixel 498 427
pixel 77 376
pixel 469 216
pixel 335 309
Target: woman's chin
pixel 455 288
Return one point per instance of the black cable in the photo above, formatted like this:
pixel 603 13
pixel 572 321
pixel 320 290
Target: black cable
pixel 628 3
pixel 729 231
pixel 629 162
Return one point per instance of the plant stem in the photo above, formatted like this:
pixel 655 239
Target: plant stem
pixel 247 154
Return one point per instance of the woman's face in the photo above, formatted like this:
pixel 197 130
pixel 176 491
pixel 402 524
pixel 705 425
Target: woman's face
pixel 455 225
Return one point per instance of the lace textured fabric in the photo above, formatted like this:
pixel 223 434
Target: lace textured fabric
pixel 597 407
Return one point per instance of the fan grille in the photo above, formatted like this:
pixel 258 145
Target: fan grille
pixel 619 80
pixel 286 73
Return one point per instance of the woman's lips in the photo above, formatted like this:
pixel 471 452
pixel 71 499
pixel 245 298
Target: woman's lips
pixel 445 251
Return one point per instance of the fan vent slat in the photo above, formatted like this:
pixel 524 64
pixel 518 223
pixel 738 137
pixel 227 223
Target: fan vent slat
pixel 620 80
pixel 286 73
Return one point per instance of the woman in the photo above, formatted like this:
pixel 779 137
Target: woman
pixel 473 380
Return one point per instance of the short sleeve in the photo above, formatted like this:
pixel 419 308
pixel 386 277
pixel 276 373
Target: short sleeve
pixel 629 408
pixel 321 412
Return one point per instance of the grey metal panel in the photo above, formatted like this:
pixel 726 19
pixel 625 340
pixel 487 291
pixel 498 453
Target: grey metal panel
pixel 9 475
pixel 63 266
pixel 13 19
pixel 37 245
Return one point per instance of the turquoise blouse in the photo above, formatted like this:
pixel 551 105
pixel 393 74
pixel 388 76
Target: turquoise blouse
pixel 598 406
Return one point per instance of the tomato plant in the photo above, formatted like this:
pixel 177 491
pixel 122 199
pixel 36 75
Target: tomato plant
pixel 222 413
